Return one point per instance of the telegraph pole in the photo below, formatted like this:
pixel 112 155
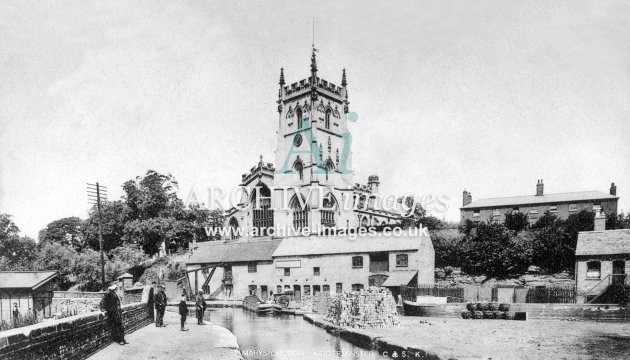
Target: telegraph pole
pixel 95 192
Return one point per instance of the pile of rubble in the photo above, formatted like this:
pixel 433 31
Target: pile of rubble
pixel 371 308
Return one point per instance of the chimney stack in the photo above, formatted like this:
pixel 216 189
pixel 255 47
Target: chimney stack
pixel 613 189
pixel 540 187
pixel 600 221
pixel 466 198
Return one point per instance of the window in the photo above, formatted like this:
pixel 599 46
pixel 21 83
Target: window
pixel 476 213
pixel 300 212
pixel 593 270
pixel 316 289
pixel 357 262
pixel 327 121
pixel 299 169
pixel 252 289
pixel 307 290
pixel 278 289
pixel 287 271
pixel 533 211
pixel 326 288
pixel 298 112
pixel 553 209
pixel 316 271
pixel 251 268
pixel 496 212
pixel 515 209
pixel 573 207
pixel 357 287
pixel 402 260
pixel 339 288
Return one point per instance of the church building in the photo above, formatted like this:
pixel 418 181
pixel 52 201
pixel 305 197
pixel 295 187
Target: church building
pixel 309 190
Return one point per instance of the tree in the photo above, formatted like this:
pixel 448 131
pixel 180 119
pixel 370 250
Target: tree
pixel 548 220
pixel 494 251
pixel 413 218
pixel 16 253
pixel 113 216
pixel 147 197
pixel 617 221
pixel 516 221
pixel 553 249
pixel 448 245
pixel 54 256
pixel 67 231
pixel 7 227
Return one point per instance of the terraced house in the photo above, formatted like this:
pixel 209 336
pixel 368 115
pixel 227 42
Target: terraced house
pixel 535 206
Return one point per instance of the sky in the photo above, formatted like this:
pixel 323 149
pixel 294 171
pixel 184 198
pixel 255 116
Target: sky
pixel 486 95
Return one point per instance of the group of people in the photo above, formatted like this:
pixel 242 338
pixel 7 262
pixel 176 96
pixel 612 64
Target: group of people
pixel 161 300
pixel 111 305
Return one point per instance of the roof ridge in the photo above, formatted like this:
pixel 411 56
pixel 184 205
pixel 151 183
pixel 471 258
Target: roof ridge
pixel 534 195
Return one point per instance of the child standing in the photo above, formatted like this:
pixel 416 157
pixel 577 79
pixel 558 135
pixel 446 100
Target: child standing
pixel 183 311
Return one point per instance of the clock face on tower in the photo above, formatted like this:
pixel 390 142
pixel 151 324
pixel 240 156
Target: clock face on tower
pixel 297 140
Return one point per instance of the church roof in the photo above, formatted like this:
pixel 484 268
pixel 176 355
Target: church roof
pixel 215 252
pixel 607 242
pixel 323 245
pixel 540 199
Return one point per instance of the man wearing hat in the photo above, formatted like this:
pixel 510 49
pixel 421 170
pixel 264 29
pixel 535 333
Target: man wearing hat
pixel 200 306
pixel 110 304
pixel 160 305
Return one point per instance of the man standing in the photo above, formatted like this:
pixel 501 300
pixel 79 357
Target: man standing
pixel 16 315
pixel 160 305
pixel 200 306
pixel 110 304
pixel 183 311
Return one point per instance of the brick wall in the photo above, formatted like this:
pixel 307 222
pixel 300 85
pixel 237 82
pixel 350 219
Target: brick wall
pixel 75 337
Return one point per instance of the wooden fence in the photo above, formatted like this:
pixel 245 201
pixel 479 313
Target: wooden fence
pixel 473 293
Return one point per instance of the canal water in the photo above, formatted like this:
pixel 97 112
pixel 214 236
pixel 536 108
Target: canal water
pixel 284 337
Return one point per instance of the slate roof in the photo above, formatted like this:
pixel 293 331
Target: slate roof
pixel 542 199
pixel 25 279
pixel 213 252
pixel 607 242
pixel 321 245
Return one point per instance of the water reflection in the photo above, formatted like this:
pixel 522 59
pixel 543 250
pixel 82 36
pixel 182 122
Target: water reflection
pixel 284 337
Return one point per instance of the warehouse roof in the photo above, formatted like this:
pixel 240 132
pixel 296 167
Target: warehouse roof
pixel 214 252
pixel 607 242
pixel 321 245
pixel 25 279
pixel 540 199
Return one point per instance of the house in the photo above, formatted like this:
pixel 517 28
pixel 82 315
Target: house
pixel 602 258
pixel 308 265
pixel 534 206
pixel 31 290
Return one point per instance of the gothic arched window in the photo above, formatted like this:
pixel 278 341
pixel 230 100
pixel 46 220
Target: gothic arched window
pixel 298 113
pixel 262 211
pixel 233 231
pixel 327 120
pixel 299 169
pixel 328 211
pixel 300 212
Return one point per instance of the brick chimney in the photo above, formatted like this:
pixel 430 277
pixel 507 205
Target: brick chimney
pixel 540 187
pixel 600 221
pixel 613 189
pixel 466 198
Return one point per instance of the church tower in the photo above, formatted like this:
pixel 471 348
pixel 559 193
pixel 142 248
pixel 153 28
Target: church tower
pixel 313 154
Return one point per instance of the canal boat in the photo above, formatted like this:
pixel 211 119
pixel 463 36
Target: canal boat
pixel 253 303
pixel 425 306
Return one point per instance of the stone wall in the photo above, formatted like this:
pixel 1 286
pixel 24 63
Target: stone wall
pixel 75 337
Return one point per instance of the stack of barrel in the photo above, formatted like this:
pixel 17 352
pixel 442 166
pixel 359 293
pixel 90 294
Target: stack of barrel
pixel 374 307
pixel 488 310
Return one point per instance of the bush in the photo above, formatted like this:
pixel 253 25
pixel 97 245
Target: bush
pixel 448 245
pixel 466 314
pixel 477 315
pixel 504 307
